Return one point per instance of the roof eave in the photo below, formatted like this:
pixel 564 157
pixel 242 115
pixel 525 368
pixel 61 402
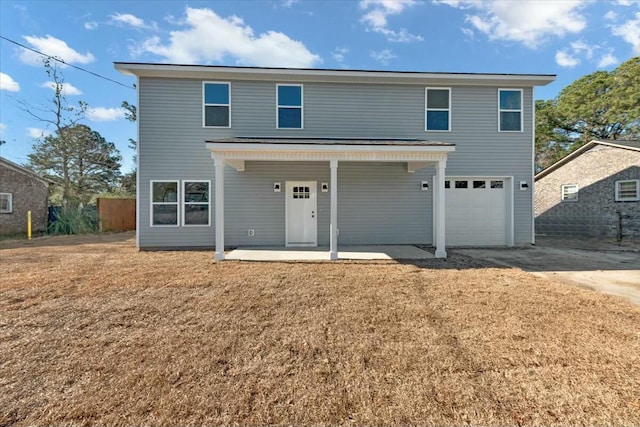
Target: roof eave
pixel 200 71
pixel 586 147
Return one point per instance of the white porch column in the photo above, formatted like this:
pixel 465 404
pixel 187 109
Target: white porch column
pixel 219 201
pixel 440 212
pixel 333 228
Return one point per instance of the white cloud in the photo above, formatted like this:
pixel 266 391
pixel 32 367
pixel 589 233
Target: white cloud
pixel 67 88
pixel 607 60
pixel 102 114
pixel 611 16
pixel 53 47
pixel 38 133
pixel 208 38
pixel 339 53
pixel 529 22
pixel 132 21
pixel 3 127
pixel 577 51
pixel 581 47
pixel 383 56
pixel 376 18
pixel 288 3
pixel 91 25
pixel 7 83
pixel 630 32
pixel 566 60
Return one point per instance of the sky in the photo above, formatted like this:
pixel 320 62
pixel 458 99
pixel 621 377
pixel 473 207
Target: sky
pixel 570 38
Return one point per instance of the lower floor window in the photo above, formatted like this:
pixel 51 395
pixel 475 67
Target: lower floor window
pixel 164 203
pixel 6 205
pixel 195 203
pixel 172 205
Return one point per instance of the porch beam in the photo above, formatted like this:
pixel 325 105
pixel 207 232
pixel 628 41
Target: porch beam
pixel 440 211
pixel 333 228
pixel 414 166
pixel 236 164
pixel 219 206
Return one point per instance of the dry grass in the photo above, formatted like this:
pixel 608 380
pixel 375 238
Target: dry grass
pixel 94 332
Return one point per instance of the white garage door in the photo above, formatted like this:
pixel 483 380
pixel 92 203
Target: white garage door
pixel 476 211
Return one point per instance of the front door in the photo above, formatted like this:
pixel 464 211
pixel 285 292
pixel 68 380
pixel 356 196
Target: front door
pixel 301 213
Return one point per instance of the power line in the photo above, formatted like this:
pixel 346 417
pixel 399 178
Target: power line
pixel 60 60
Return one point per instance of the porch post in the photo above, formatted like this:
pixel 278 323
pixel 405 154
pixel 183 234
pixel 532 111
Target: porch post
pixel 219 201
pixel 333 228
pixel 440 204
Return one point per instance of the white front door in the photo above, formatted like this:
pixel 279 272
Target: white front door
pixel 301 213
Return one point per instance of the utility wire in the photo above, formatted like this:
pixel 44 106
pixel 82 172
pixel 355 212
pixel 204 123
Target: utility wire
pixel 65 63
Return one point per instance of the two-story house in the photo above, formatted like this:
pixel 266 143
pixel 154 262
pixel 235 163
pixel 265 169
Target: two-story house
pixel 303 157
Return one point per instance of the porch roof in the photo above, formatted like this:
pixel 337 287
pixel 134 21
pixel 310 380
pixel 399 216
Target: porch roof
pixel 345 149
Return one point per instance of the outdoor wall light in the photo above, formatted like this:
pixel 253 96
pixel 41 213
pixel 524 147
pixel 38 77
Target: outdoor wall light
pixel 276 187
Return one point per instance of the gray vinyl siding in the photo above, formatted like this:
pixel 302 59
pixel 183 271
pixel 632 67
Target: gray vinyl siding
pixel 377 203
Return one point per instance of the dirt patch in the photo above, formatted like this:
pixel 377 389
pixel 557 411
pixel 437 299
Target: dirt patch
pixel 98 333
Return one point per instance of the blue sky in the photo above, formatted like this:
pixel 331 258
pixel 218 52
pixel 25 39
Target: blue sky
pixel 567 38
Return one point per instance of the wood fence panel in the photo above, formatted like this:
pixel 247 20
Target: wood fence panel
pixel 117 214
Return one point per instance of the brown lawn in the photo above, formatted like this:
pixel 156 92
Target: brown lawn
pixel 94 332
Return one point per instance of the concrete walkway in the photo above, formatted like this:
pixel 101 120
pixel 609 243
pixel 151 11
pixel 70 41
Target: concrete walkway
pixel 321 253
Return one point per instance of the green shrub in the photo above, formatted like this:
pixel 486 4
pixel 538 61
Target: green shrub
pixel 74 220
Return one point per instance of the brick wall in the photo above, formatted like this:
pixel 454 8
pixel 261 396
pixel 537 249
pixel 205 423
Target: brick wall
pixel 28 193
pixel 595 213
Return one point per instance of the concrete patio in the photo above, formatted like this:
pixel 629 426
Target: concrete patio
pixel 321 253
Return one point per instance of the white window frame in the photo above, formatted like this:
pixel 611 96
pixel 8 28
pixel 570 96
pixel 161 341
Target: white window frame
pixel 301 106
pixel 152 203
pixel 520 110
pixel 184 203
pixel 567 186
pixel 627 199
pixel 9 197
pixel 427 109
pixel 205 105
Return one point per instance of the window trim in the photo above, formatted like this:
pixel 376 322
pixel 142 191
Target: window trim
pixel 301 106
pixel 152 203
pixel 10 202
pixel 183 203
pixel 520 110
pixel 205 105
pixel 427 109
pixel 627 199
pixel 562 193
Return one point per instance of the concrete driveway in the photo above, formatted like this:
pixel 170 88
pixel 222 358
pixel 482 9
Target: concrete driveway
pixel 598 264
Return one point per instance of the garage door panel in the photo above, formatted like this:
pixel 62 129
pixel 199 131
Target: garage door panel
pixel 476 216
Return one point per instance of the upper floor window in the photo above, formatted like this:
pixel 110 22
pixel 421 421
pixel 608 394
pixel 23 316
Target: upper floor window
pixel 290 106
pixel 438 109
pixel 628 190
pixel 570 193
pixel 6 203
pixel 510 110
pixel 217 104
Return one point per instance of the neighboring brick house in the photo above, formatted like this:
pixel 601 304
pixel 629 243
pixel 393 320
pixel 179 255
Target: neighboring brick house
pixel 594 191
pixel 21 191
